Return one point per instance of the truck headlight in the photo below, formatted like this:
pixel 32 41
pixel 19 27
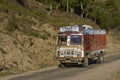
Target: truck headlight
pixel 58 54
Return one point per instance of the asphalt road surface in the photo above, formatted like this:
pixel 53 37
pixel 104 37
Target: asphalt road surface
pixel 69 72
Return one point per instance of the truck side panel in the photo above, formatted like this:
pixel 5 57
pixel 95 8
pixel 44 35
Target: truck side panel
pixel 94 42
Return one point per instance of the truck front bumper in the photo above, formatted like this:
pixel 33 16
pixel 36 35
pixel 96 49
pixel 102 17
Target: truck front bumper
pixel 70 61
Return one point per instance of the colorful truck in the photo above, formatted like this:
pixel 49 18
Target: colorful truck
pixel 79 45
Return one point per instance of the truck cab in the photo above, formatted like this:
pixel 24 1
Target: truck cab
pixel 71 45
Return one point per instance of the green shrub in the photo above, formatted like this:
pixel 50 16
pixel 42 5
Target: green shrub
pixel 11 25
pixel 43 36
pixel 34 33
pixel 15 42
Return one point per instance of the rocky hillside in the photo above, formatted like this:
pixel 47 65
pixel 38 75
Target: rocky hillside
pixel 28 32
pixel 27 42
pixel 23 52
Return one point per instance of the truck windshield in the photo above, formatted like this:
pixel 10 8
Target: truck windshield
pixel 76 40
pixel 62 40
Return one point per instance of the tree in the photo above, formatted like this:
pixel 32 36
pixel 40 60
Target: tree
pixel 105 14
pixel 113 7
pixel 58 3
pixel 84 6
pixel 72 4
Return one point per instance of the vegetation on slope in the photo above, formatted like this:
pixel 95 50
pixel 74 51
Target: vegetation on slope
pixel 28 33
pixel 105 13
pixel 28 29
pixel 28 19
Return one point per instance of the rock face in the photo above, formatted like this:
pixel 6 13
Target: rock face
pixel 21 52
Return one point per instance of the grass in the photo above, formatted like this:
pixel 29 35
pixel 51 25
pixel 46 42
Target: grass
pixel 24 22
pixel 62 19
pixel 40 14
pixel 14 8
pixel 11 25
pixel 6 73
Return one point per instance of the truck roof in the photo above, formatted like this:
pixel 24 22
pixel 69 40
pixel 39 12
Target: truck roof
pixel 84 29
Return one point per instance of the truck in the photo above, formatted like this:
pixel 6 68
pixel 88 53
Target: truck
pixel 80 45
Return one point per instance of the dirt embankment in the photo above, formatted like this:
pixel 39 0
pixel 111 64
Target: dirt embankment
pixel 19 52
pixel 113 43
pixel 27 42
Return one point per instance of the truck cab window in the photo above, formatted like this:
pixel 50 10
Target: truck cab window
pixel 76 40
pixel 62 40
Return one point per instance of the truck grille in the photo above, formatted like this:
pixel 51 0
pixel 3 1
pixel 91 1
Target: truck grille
pixel 68 53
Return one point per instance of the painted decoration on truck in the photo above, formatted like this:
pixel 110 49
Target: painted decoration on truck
pixel 62 29
pixel 75 28
pixel 69 28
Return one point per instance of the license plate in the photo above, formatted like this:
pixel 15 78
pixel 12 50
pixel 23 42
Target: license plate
pixel 68 61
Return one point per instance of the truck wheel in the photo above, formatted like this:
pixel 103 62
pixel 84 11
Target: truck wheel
pixel 61 65
pixel 85 62
pixel 1 68
pixel 100 59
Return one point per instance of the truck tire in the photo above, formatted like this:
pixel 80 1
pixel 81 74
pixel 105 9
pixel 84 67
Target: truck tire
pixel 61 65
pixel 85 62
pixel 1 68
pixel 100 59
